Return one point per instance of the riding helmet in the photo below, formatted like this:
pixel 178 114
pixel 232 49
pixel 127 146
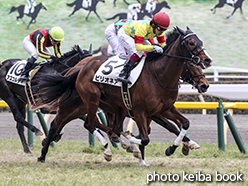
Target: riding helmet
pixel 57 33
pixel 162 20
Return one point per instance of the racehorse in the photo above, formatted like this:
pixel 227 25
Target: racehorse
pixel 153 94
pixel 143 12
pixel 236 5
pixel 33 15
pixel 14 95
pixel 67 112
pixel 78 5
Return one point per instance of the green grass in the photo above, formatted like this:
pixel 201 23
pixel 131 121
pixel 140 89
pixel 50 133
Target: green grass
pixel 75 163
pixel 225 40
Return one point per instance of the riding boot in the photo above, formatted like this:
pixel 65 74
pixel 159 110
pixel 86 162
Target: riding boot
pixel 125 73
pixel 27 68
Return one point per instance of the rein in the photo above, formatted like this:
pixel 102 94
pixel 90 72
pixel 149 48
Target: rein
pixel 169 89
pixel 193 59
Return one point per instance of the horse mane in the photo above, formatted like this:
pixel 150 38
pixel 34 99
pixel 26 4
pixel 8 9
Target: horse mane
pixel 171 37
pixel 74 50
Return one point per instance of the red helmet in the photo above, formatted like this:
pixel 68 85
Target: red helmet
pixel 162 20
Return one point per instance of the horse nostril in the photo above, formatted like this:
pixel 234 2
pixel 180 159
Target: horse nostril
pixel 207 62
pixel 204 87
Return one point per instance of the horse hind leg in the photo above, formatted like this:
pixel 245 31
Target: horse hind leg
pixel 20 130
pixel 46 143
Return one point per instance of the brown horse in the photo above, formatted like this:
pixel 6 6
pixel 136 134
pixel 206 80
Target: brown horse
pixel 74 108
pixel 153 94
pixel 64 109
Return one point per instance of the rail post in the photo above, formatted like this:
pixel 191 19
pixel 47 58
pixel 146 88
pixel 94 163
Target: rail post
pixel 220 122
pixel 30 133
pixel 232 127
pixel 235 133
pixel 43 124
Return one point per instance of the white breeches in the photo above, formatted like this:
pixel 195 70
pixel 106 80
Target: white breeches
pixel 111 36
pixel 128 43
pixel 31 49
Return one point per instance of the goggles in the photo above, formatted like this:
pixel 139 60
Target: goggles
pixel 160 29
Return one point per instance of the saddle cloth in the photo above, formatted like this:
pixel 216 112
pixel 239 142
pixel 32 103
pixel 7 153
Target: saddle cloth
pixel 110 69
pixel 14 72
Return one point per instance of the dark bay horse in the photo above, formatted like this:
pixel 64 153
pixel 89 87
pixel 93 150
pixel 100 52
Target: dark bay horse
pixel 155 100
pixel 236 5
pixel 143 12
pixel 14 95
pixel 74 108
pixel 33 15
pixel 78 5
pixel 67 112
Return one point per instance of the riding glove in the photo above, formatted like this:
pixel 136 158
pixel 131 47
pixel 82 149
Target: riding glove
pixel 55 59
pixel 157 49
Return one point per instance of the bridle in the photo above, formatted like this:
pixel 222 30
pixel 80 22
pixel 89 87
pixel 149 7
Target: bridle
pixel 188 56
pixel 191 78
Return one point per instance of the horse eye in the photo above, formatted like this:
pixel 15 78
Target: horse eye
pixel 191 44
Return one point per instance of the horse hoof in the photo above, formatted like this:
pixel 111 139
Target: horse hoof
pixel 193 145
pixel 143 163
pixel 167 152
pixel 107 157
pixel 170 150
pixel 40 159
pixel 27 151
pixel 185 152
pixel 38 133
pixel 115 139
pixel 137 154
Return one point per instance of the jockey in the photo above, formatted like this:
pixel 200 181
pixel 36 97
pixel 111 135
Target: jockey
pixel 111 35
pixel 86 3
pixel 133 38
pixel 36 45
pixel 134 10
pixel 151 6
pixel 29 8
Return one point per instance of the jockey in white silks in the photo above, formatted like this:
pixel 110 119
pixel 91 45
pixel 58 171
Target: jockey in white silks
pixel 134 10
pixel 29 8
pixel 86 3
pixel 151 6
pixel 232 2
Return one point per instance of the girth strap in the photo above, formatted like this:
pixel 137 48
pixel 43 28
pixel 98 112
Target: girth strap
pixel 126 99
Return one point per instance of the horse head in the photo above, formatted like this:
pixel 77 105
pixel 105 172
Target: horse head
pixel 164 4
pixel 192 74
pixel 192 48
pixel 44 6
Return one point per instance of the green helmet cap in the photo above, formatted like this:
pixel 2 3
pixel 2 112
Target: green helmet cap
pixel 57 33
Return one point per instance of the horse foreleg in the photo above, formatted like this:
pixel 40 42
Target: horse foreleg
pixel 87 15
pixel 75 9
pixel 29 24
pixel 142 159
pixel 20 130
pixel 98 16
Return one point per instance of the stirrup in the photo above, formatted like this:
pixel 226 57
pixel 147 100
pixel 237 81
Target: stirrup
pixel 24 77
pixel 123 80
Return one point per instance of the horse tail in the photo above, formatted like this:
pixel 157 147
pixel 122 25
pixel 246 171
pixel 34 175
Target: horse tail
pixel 53 87
pixel 71 4
pixel 115 16
pixel 12 9
pixel 97 50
